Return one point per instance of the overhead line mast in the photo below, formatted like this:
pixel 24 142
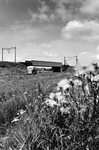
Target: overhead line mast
pixel 70 57
pixel 9 49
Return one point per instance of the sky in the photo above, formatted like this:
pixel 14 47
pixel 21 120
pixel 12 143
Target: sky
pixel 48 30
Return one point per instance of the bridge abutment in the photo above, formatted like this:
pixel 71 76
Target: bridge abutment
pixel 57 69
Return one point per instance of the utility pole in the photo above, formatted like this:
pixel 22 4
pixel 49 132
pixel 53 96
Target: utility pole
pixel 65 62
pixel 2 54
pixel 15 52
pixel 76 61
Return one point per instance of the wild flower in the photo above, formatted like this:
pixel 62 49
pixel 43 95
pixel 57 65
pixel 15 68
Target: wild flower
pixel 65 87
pixel 16 119
pixel 65 110
pixel 90 68
pixel 81 71
pixel 70 80
pixel 96 78
pixel 76 74
pixel 77 83
pixel 64 84
pixel 52 95
pixel 25 93
pixel 60 97
pixel 51 103
pixel 22 111
pixel 87 89
pixel 82 111
pixel 87 148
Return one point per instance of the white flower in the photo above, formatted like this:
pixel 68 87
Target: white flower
pixel 76 74
pixel 62 110
pixel 65 87
pixel 77 83
pixel 51 103
pixel 81 72
pixel 52 95
pixel 87 89
pixel 64 101
pixel 22 111
pixel 82 111
pixel 96 78
pixel 64 84
pixel 91 68
pixel 60 97
pixel 16 119
pixel 58 94
pixel 70 80
pixel 87 148
pixel 65 110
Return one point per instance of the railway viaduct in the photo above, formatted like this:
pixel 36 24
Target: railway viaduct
pixel 56 66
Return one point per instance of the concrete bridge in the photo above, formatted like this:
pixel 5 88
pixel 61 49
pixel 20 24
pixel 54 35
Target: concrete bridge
pixel 56 66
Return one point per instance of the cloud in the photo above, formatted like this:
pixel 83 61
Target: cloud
pixel 86 30
pixel 97 56
pixel 87 57
pixel 67 9
pixel 71 2
pixel 25 32
pixel 90 7
pixel 62 13
pixel 45 45
pixel 76 9
pixel 44 8
pixel 43 13
pixel 87 54
pixel 50 54
pixel 97 49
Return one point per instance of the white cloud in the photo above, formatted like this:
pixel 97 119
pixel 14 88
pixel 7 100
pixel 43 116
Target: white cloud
pixel 43 13
pixel 90 7
pixel 61 12
pixel 83 53
pixel 97 49
pixel 72 25
pixel 87 55
pixel 44 8
pixel 26 33
pixel 45 45
pixel 87 30
pixel 72 9
pixel 67 9
pixel 50 54
pixel 35 16
pixel 97 56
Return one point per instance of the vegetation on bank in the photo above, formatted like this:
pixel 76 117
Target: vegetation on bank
pixel 53 114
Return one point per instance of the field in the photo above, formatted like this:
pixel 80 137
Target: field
pixel 48 111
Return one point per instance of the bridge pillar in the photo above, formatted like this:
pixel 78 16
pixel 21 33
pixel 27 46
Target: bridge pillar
pixel 57 69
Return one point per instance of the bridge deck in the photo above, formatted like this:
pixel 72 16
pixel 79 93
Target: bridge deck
pixel 45 63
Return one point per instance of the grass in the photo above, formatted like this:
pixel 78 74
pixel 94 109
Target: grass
pixel 42 127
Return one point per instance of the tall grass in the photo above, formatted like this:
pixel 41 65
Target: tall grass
pixel 63 116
